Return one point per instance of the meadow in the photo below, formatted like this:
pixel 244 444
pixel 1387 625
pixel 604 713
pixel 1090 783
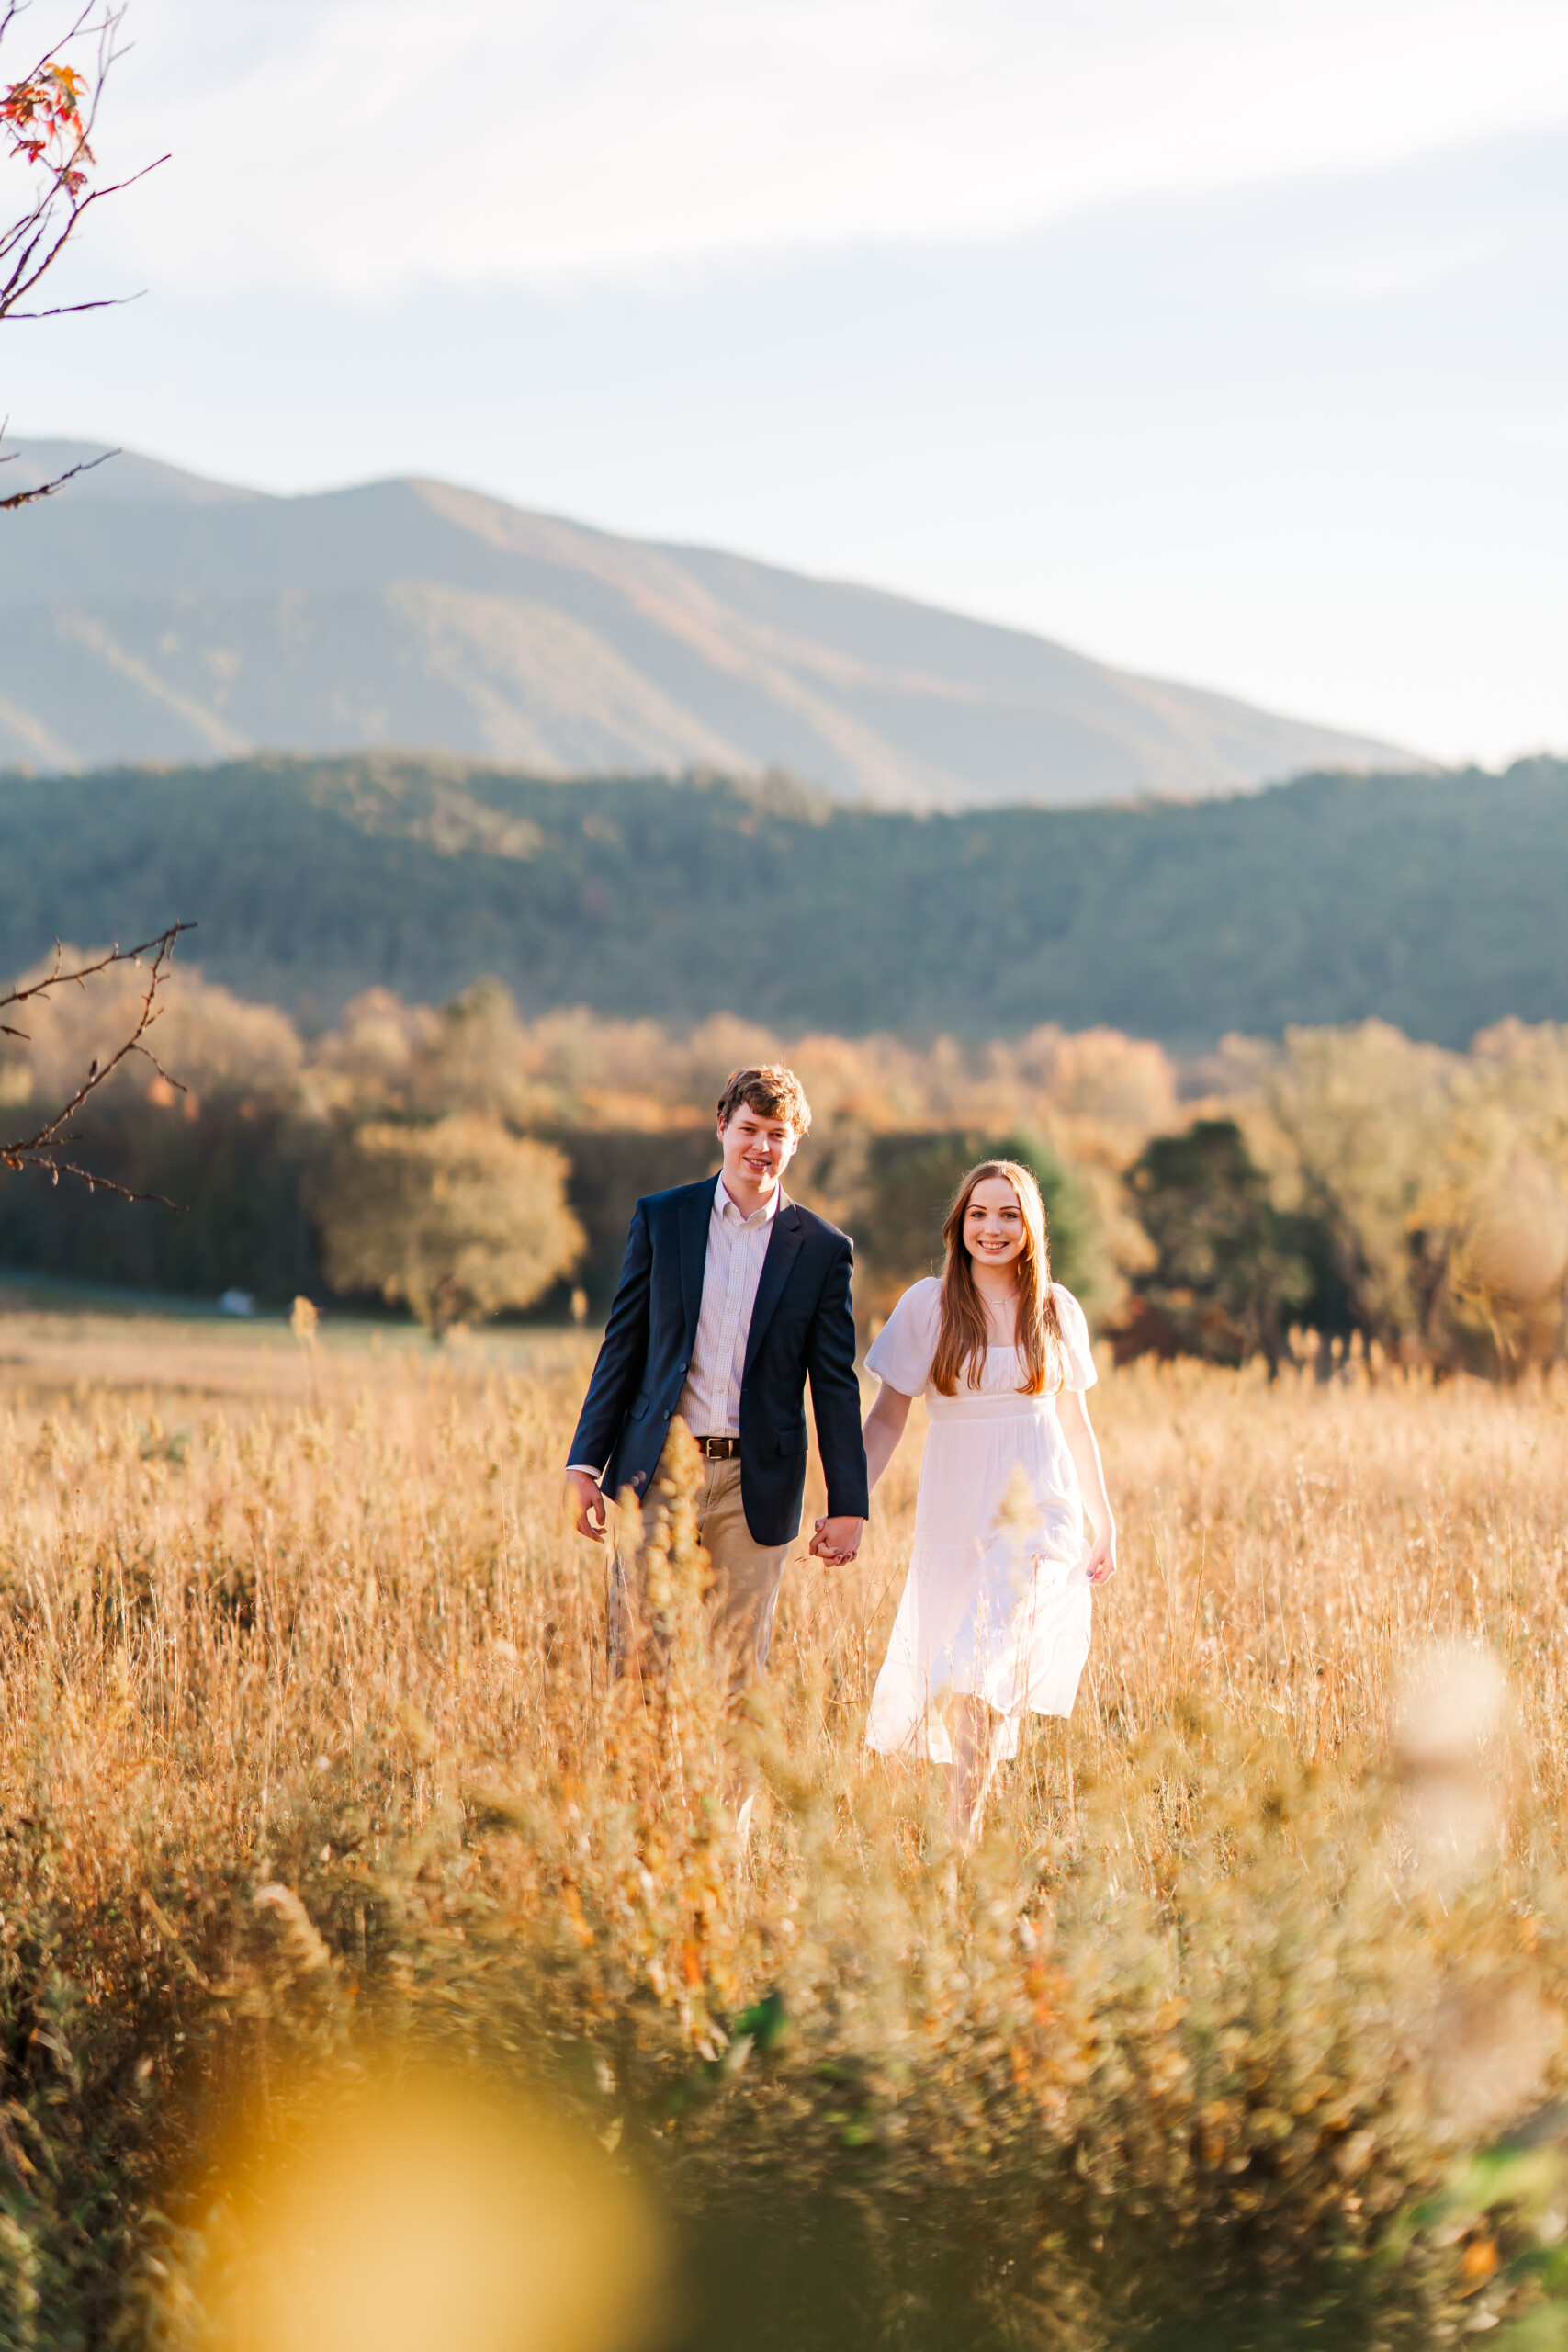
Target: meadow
pixel 1244 2025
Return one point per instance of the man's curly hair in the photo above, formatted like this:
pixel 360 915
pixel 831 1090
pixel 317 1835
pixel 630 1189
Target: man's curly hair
pixel 773 1090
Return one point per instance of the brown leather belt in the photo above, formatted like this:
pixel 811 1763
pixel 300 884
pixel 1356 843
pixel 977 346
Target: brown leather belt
pixel 719 1449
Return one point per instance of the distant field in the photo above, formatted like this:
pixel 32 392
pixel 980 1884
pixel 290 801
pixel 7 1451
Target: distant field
pixel 307 1750
pixel 1433 902
pixel 116 1346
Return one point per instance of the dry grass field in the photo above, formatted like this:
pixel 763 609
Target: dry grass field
pixel 310 1779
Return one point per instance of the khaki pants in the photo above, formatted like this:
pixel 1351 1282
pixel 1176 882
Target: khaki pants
pixel 746 1574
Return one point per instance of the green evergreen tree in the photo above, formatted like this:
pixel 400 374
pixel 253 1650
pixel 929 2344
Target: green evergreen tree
pixel 1230 1269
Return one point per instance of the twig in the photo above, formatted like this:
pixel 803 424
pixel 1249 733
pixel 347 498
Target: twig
pixel 48 489
pixel 45 1146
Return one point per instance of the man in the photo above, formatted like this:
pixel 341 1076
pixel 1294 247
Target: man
pixel 732 1296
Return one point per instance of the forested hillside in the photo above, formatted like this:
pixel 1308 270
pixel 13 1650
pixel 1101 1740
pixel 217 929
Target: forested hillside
pixel 1434 902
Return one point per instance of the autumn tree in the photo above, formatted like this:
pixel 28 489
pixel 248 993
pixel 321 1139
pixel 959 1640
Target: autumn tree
pixel 1350 1126
pixel 456 1220
pixel 1494 1208
pixel 1439 1180
pixel 473 1059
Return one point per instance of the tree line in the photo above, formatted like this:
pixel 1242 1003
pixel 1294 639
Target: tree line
pixel 464 1160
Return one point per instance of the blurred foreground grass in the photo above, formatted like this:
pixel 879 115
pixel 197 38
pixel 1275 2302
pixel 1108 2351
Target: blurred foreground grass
pixel 314 1792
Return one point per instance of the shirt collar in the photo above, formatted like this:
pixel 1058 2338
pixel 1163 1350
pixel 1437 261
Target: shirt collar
pixel 723 1200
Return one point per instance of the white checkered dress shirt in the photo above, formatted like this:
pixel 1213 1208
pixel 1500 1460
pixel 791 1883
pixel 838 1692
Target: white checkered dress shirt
pixel 710 1402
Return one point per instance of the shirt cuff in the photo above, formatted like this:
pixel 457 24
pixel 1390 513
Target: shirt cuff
pixel 586 1468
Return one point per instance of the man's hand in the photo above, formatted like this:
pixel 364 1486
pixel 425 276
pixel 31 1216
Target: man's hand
pixel 1099 1562
pixel 836 1540
pixel 584 1505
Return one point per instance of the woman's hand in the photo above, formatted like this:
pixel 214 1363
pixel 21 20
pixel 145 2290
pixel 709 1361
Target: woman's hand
pixel 1099 1562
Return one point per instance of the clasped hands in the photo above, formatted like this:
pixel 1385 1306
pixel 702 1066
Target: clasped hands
pixel 836 1541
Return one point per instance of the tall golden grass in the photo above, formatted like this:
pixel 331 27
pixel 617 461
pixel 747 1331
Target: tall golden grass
pixel 308 1753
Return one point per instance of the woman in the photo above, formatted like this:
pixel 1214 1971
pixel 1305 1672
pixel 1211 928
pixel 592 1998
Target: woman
pixel 995 1614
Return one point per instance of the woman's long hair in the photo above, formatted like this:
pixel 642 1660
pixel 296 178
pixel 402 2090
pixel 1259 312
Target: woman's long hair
pixel 964 1333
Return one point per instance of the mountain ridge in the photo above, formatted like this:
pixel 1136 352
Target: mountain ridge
pixel 151 615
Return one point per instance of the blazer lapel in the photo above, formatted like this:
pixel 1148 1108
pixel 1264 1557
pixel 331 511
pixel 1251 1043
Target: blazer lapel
pixel 696 1212
pixel 777 1264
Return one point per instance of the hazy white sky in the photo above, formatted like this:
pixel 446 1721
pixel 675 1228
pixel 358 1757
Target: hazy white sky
pixel 1228 338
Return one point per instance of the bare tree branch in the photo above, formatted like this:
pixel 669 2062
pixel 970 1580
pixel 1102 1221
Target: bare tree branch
pixel 46 1148
pixel 48 489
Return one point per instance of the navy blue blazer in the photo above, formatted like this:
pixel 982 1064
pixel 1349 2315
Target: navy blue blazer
pixel 802 1326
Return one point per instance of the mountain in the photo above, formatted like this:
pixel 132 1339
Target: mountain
pixel 146 614
pixel 1435 901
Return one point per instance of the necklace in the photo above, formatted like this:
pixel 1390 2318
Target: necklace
pixel 1007 1305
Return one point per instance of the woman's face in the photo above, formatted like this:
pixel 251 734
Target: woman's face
pixel 994 1230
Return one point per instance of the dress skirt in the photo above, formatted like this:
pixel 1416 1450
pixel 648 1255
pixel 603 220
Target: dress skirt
pixel 996 1602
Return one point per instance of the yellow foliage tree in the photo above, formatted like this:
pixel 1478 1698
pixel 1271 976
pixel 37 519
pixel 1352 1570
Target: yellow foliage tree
pixel 456 1219
pixel 1500 1196
pixel 1349 1124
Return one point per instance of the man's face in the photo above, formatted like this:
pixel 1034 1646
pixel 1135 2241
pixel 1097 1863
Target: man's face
pixel 757 1151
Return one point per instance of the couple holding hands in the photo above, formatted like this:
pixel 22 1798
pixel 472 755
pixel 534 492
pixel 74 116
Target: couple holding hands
pixel 732 1296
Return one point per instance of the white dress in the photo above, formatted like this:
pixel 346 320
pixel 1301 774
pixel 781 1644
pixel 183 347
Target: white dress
pixel 997 1601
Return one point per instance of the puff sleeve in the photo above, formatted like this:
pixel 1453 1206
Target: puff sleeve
pixel 902 1351
pixel 1079 1370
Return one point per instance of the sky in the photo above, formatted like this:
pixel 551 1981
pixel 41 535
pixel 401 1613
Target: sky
pixel 1223 339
